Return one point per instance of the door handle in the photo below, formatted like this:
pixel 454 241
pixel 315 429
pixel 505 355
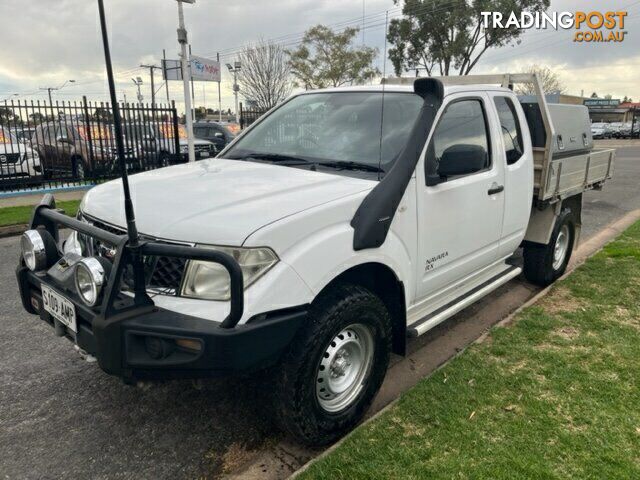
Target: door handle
pixel 495 188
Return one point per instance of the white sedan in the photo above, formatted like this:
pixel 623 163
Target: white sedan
pixel 17 160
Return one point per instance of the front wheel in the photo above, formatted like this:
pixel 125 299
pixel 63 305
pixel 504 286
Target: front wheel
pixel 335 366
pixel 163 160
pixel 544 264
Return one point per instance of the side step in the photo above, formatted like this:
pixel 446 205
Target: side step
pixel 463 301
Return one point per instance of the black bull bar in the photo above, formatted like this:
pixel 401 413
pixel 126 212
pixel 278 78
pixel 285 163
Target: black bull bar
pixel 113 329
pixel 46 216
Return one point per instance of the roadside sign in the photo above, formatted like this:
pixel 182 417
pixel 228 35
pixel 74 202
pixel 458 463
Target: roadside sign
pixel 171 70
pixel 202 69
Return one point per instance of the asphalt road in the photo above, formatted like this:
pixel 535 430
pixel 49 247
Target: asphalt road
pixel 61 417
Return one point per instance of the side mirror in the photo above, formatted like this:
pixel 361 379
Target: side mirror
pixel 462 159
pixel 218 135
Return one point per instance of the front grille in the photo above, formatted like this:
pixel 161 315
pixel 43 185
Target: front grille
pixel 202 148
pixel 9 158
pixel 163 273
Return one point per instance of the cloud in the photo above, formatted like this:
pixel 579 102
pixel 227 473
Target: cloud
pixel 51 42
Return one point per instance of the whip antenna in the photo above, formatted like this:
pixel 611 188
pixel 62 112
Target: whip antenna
pixel 132 231
pixel 117 125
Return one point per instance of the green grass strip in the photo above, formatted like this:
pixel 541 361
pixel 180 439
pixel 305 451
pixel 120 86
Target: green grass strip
pixel 555 395
pixel 22 214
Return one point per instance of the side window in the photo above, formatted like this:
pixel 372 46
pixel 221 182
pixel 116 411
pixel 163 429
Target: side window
pixel 61 132
pixel 460 142
pixel 200 132
pixel 511 133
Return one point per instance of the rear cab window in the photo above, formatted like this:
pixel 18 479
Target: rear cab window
pixel 510 127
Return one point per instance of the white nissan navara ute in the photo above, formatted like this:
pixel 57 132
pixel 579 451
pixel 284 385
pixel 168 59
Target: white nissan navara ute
pixel 342 222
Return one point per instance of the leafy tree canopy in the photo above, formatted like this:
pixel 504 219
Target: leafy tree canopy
pixel 328 59
pixel 445 37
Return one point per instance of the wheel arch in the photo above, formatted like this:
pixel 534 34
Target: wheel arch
pixel 381 280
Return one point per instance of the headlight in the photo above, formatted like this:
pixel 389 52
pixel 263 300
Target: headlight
pixel 73 244
pixel 184 149
pixel 33 156
pixel 90 277
pixel 39 250
pixel 211 281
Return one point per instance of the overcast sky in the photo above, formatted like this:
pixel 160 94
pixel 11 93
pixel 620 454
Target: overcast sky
pixel 47 42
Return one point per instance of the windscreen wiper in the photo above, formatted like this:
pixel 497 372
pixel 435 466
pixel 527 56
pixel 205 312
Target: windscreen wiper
pixel 271 157
pixel 349 165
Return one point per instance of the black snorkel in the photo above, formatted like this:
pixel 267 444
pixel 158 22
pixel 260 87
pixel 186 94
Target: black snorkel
pixel 372 220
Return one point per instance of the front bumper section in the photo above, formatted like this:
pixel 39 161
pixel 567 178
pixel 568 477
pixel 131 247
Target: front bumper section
pixel 117 332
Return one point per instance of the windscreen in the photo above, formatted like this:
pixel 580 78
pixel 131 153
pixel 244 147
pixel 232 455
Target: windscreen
pixel 338 126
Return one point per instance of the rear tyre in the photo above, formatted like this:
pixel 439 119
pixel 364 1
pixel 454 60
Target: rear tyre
pixel 335 366
pixel 544 264
pixel 163 160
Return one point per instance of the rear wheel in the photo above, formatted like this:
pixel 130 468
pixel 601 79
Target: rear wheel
pixel 335 366
pixel 544 264
pixel 163 160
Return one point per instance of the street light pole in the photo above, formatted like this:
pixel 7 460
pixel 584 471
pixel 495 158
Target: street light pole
pixel 137 82
pixel 186 78
pixel 235 68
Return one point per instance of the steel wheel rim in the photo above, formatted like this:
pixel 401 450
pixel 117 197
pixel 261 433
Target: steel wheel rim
pixel 561 247
pixel 343 368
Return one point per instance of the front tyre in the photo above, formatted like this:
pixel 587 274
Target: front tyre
pixel 335 366
pixel 544 264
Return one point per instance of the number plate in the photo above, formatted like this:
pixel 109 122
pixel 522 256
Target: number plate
pixel 59 307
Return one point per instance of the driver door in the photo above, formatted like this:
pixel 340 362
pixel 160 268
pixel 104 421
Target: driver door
pixel 460 211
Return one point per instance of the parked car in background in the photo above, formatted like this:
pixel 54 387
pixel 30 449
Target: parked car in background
pixel 161 142
pixel 76 149
pixel 218 134
pixel 600 130
pixel 17 160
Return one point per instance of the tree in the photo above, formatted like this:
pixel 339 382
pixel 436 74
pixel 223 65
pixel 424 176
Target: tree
pixel 37 118
pixel 265 77
pixel 627 99
pixel 7 116
pixel 445 38
pixel 594 95
pixel 328 59
pixel 102 114
pixel 549 80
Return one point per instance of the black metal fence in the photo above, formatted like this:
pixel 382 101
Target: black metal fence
pixel 249 115
pixel 73 143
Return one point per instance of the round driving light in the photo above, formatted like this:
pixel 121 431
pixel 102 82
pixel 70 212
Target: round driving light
pixel 34 250
pixel 90 277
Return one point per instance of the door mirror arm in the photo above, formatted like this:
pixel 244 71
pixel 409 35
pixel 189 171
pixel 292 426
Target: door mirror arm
pixel 431 180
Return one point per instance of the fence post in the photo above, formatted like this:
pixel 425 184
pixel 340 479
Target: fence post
pixel 241 117
pixel 176 135
pixel 87 122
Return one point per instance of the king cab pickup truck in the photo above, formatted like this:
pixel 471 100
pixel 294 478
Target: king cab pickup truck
pixel 339 224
